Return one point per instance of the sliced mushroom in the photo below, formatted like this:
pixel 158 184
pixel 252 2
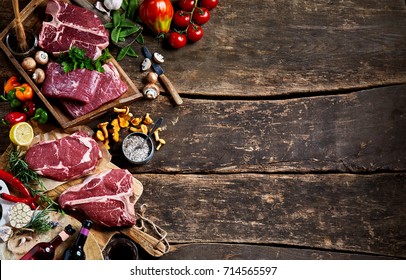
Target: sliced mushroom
pixel 150 91
pixel 146 64
pixel 159 58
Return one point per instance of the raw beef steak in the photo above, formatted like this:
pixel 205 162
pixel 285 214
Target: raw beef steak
pixel 106 198
pixel 80 85
pixel 109 88
pixel 72 26
pixel 64 159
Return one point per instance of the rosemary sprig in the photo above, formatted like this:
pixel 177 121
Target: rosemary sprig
pixel 40 221
pixel 19 168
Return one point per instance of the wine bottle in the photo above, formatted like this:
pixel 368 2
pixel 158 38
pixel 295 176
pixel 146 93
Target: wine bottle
pixel 76 252
pixel 46 250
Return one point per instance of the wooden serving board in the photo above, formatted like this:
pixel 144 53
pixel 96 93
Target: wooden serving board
pixel 102 235
pixel 32 17
pixel 92 249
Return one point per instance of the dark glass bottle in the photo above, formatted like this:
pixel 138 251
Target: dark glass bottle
pixel 46 250
pixel 76 252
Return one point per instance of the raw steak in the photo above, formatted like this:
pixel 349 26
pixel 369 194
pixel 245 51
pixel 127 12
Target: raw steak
pixel 109 88
pixel 72 26
pixel 80 84
pixel 106 198
pixel 64 159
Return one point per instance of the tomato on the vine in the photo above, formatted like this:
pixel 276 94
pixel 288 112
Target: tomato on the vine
pixel 201 15
pixel 209 4
pixel 187 5
pixel 181 19
pixel 177 40
pixel 194 32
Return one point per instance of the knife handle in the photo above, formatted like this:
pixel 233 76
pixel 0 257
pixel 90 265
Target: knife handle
pixel 172 90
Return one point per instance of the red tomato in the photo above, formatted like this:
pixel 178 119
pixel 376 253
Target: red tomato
pixel 209 4
pixel 177 40
pixel 181 19
pixel 194 33
pixel 157 15
pixel 187 5
pixel 201 16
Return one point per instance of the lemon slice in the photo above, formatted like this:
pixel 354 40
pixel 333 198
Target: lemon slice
pixel 21 134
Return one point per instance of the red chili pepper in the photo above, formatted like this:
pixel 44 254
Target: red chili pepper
pixel 15 183
pixel 27 200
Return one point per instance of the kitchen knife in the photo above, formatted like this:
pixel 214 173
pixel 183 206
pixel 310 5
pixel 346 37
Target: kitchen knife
pixel 163 79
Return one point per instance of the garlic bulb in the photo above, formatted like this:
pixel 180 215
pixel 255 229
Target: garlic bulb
pixel 112 4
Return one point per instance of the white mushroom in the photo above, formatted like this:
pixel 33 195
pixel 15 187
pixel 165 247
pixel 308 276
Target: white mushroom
pixel 151 78
pixel 28 64
pixel 150 91
pixel 41 57
pixel 20 215
pixel 159 58
pixel 146 64
pixel 38 76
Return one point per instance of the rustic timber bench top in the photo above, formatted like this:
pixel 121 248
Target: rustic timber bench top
pixel 290 143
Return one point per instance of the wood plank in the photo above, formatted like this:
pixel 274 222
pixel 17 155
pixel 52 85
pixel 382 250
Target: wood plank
pixel 215 251
pixel 275 48
pixel 358 132
pixel 352 213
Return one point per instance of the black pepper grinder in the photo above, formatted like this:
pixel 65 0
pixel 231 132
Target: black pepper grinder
pixel 76 252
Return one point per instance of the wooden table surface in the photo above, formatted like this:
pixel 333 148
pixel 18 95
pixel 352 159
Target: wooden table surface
pixel 290 143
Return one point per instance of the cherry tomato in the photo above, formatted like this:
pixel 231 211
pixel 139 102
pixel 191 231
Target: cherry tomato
pixel 209 4
pixel 177 40
pixel 201 16
pixel 187 5
pixel 181 19
pixel 194 33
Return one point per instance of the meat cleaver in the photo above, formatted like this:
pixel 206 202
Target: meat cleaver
pixel 163 79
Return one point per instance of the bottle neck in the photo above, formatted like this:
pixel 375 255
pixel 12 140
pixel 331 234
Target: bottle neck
pixel 61 237
pixel 81 239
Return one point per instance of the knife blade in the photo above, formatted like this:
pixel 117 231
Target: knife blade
pixel 163 78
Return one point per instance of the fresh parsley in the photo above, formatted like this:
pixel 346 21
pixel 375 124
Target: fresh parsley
pixel 76 58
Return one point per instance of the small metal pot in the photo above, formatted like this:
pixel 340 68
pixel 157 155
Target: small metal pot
pixel 11 43
pixel 134 154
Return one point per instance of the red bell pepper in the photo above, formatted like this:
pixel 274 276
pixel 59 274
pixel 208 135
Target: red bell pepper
pixel 14 117
pixel 157 15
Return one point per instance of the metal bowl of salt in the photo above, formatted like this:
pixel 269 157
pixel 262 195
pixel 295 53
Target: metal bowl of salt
pixel 138 148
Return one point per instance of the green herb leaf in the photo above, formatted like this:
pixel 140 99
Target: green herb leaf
pixel 132 52
pixel 109 25
pixel 123 53
pixel 128 31
pixel 116 18
pixel 115 34
pixel 140 39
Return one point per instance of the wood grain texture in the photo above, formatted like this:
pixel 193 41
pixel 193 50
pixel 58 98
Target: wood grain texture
pixel 211 251
pixel 274 48
pixel 357 213
pixel 358 132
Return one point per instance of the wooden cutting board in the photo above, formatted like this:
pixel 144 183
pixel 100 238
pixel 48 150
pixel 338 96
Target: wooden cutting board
pixel 92 249
pixel 102 235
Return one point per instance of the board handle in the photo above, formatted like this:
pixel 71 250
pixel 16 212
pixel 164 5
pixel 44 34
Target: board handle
pixel 172 90
pixel 150 244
